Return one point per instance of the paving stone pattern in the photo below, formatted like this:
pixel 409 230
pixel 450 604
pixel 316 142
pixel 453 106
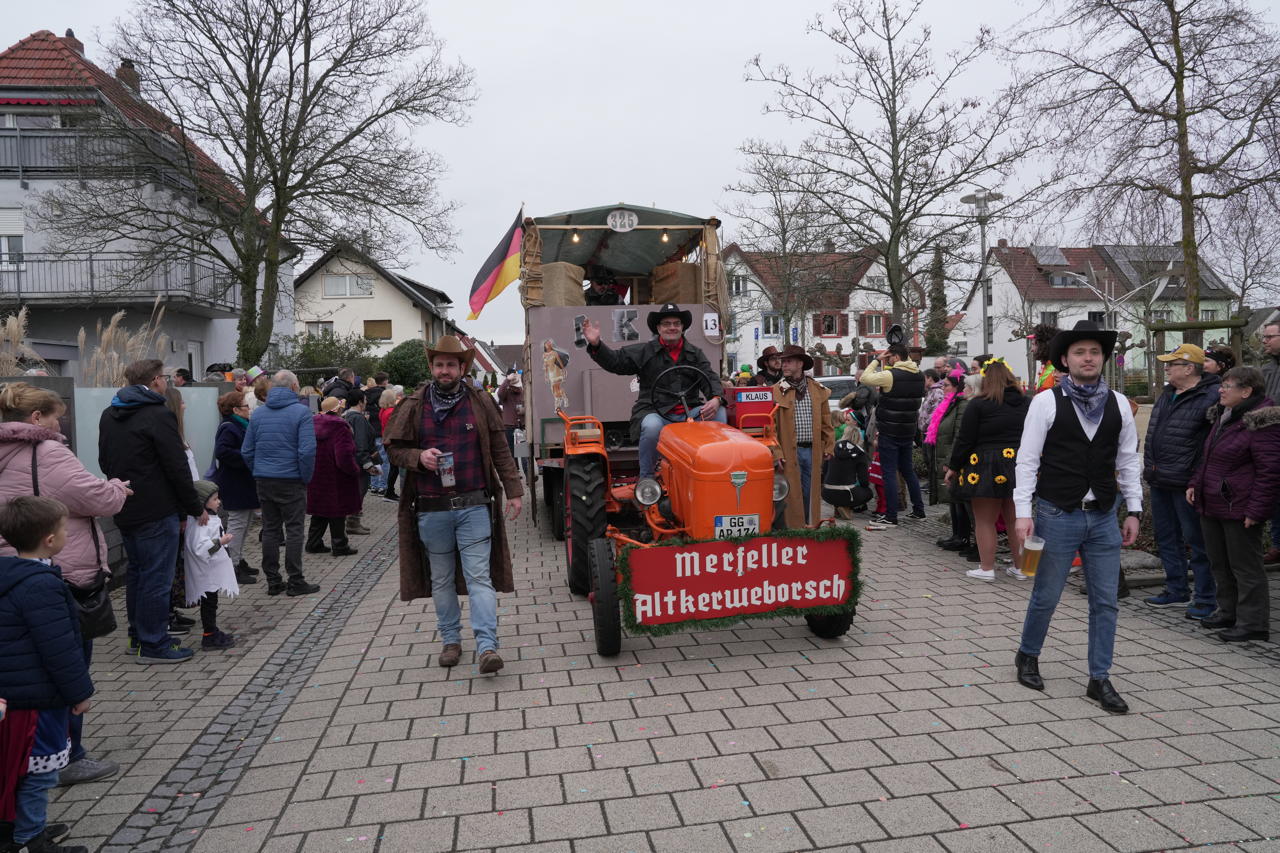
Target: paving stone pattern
pixel 909 734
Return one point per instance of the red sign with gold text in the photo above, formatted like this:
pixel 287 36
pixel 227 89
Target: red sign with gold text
pixel 736 577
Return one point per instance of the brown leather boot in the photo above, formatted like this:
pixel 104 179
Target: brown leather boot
pixel 450 654
pixel 490 661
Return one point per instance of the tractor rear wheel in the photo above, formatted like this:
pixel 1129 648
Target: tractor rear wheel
pixel 828 626
pixel 553 494
pixel 585 517
pixel 604 601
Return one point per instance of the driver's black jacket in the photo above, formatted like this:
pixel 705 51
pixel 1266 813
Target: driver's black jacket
pixel 646 361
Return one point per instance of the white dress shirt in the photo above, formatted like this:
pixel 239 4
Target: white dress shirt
pixel 1035 428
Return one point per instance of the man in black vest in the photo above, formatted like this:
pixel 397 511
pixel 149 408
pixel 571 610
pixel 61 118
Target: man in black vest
pixel 1079 451
pixel 901 389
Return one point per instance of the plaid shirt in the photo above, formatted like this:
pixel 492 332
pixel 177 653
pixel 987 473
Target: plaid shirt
pixel 803 411
pixel 456 434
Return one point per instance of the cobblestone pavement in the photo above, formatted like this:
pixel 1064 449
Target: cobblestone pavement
pixel 329 728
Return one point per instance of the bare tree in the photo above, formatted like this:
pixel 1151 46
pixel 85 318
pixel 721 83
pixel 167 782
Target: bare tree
pixel 305 109
pixel 892 149
pixel 1245 246
pixel 1162 100
pixel 787 234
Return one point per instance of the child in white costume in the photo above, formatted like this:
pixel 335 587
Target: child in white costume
pixel 209 567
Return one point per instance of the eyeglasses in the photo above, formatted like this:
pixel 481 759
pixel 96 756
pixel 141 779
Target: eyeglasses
pixel 1269 337
pixel 1231 386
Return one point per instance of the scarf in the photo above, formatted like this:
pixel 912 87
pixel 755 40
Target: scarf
pixel 931 435
pixel 244 422
pixel 801 387
pixel 672 350
pixel 1091 400
pixel 442 403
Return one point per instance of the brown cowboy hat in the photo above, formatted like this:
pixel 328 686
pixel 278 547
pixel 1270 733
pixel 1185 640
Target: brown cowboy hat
pixel 797 351
pixel 450 345
pixel 769 352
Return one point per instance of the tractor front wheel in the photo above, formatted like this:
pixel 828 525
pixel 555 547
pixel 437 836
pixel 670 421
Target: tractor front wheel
pixel 604 599
pixel 585 517
pixel 828 626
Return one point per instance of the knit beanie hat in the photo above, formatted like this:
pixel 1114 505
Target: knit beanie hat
pixel 205 490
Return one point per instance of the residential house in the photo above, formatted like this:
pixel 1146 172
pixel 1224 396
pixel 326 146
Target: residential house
pixel 347 292
pixel 1048 284
pixel 821 299
pixel 48 88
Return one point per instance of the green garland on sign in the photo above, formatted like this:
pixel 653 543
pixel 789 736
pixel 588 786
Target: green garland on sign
pixel 849 534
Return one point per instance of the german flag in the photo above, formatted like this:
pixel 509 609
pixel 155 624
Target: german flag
pixel 500 269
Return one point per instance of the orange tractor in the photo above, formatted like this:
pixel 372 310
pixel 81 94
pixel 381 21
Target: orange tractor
pixel 696 545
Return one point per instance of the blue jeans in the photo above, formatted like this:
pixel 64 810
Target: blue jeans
pixel 1096 535
pixel 1177 524
pixel 651 427
pixel 804 458
pixel 895 459
pixel 31 804
pixel 380 482
pixel 152 550
pixel 468 532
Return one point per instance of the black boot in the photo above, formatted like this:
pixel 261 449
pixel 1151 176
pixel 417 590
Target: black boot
pixel 1028 671
pixel 958 545
pixel 1101 691
pixel 243 567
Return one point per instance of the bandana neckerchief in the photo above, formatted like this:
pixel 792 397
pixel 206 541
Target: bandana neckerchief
pixel 1091 400
pixel 442 403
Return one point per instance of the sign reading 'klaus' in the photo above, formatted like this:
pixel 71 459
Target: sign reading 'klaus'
pixel 736 577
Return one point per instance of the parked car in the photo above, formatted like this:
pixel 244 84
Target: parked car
pixel 839 387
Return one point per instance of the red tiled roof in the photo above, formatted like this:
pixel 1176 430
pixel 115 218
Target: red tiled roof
pixel 45 61
pixel 845 269
pixel 1033 279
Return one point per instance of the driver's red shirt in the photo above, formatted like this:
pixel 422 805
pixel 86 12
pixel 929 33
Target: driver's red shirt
pixel 674 350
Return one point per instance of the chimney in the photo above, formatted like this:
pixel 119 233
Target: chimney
pixel 1002 243
pixel 128 75
pixel 830 246
pixel 72 42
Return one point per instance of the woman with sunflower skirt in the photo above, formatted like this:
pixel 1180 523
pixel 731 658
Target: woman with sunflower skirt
pixel 984 458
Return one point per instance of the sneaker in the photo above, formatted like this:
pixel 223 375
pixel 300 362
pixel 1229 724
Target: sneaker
pixel 1200 611
pixel 177 618
pixel 874 525
pixel 133 645
pixel 42 843
pixel 884 519
pixel 982 574
pixel 173 654
pixel 243 566
pixel 217 640
pixel 1165 599
pixel 1016 573
pixel 303 588
pixel 357 529
pixel 177 629
pixel 391 497
pixel 917 515
pixel 86 770
pixel 244 579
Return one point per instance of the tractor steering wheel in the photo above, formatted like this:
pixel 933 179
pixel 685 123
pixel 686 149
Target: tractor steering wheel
pixel 661 396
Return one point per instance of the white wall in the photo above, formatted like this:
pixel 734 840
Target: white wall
pixel 348 313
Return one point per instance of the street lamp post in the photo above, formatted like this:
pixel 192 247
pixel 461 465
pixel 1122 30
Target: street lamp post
pixel 982 213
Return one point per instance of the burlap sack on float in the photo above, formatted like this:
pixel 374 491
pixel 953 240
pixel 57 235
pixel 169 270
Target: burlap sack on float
pixel 562 283
pixel 676 283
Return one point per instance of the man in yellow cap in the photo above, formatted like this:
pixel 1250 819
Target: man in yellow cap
pixel 1175 434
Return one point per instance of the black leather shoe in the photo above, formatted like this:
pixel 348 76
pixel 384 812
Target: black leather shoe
pixel 958 545
pixel 345 551
pixel 1218 622
pixel 303 588
pixel 1104 694
pixel 1243 635
pixel 1028 671
pixel 243 566
pixel 317 549
pixel 275 588
pixel 243 578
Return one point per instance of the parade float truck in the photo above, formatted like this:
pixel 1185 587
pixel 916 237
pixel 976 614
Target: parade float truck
pixel 697 545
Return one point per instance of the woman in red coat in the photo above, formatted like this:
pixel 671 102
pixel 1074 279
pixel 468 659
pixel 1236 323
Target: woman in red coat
pixel 334 490
pixel 1235 488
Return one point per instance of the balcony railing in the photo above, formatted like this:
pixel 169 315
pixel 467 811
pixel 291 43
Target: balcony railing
pixel 26 151
pixel 119 277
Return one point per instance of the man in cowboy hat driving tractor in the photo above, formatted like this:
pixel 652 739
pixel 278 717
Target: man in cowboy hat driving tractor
pixel 649 362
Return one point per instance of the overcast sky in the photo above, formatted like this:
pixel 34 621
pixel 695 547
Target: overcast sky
pixel 584 103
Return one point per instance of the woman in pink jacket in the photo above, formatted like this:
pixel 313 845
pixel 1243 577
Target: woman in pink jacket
pixel 34 455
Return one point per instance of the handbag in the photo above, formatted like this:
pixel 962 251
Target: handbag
pixel 93 602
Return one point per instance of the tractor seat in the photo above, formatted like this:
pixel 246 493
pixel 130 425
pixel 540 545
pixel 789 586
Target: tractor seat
pixel 587 434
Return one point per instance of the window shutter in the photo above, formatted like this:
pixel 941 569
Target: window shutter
pixel 862 325
pixel 843 326
pixel 11 223
pixel 817 325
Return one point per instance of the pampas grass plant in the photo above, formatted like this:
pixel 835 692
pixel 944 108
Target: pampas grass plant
pixel 118 348
pixel 15 355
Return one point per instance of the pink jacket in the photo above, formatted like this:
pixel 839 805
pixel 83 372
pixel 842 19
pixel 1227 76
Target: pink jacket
pixel 64 478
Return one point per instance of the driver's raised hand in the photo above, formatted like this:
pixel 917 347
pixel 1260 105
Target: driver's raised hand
pixel 591 331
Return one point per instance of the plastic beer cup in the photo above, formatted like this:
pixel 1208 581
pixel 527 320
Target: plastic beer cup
pixel 1032 548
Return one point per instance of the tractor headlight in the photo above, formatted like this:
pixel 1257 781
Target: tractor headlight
pixel 648 492
pixel 780 488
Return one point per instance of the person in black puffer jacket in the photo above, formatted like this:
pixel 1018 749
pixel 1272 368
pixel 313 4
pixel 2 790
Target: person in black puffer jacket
pixel 1175 436
pixel 901 389
pixel 983 459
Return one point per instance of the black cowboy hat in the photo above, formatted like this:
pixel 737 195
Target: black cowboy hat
pixel 1084 330
pixel 669 310
pixel 796 351
pixel 769 352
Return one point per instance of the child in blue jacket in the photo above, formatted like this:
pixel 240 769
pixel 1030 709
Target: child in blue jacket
pixel 43 675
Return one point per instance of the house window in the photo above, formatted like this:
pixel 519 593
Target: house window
pixel 11 249
pixel 377 330
pixel 877 282
pixel 991 330
pixel 830 324
pixel 347 285
pixel 1161 316
pixel 771 325
pixel 1049 318
pixel 1064 280
pixel 737 285
pixel 960 349
pixel 319 328
pixel 1099 317
pixel 1208 313
pixel 872 324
